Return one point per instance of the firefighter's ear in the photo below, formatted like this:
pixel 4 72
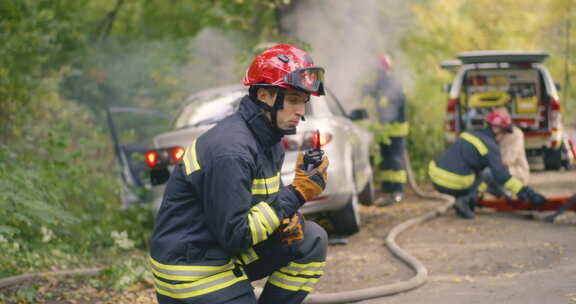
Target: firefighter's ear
pixel 267 95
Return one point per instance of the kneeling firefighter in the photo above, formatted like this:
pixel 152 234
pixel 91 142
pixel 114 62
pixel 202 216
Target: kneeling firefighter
pixel 226 219
pixel 458 171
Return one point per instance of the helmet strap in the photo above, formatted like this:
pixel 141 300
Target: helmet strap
pixel 279 105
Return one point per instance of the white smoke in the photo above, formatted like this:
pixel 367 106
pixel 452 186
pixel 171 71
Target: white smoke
pixel 347 37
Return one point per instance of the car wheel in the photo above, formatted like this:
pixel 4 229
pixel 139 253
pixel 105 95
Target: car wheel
pixel 347 220
pixel 367 195
pixel 552 159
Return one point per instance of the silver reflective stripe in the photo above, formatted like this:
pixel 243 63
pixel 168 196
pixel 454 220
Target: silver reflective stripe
pixel 207 285
pixel 269 219
pixel 266 185
pixel 186 272
pixel 249 256
pixel 256 227
pixel 312 270
pixel 292 283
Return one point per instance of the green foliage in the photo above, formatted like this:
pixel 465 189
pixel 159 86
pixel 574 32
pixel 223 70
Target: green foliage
pixel 61 63
pixel 122 273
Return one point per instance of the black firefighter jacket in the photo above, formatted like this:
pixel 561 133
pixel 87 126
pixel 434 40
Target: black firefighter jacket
pixel 458 167
pixel 224 197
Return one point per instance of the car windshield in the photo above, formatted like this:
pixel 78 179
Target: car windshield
pixel 210 110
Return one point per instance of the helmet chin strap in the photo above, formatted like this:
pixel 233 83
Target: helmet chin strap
pixel 279 105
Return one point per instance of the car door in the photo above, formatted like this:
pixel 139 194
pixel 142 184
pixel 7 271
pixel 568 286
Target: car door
pixel 131 131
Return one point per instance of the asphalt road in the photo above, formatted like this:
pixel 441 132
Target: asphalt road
pixel 497 257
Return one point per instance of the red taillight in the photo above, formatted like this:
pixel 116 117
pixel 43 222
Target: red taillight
pixel 451 114
pixel 164 157
pixel 151 158
pixel 290 144
pixel 177 153
pixel 555 117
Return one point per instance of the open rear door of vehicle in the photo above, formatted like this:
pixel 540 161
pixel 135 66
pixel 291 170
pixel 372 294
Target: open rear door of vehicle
pixel 132 130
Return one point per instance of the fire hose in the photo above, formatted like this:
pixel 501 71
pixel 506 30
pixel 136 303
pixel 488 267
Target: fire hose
pixel 421 272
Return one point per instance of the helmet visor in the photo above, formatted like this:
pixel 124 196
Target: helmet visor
pixel 306 79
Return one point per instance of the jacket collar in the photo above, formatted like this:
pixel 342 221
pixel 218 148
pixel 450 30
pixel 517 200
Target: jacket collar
pixel 260 125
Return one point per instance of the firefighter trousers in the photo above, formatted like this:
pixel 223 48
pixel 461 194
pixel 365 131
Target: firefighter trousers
pixel 292 271
pixel 392 167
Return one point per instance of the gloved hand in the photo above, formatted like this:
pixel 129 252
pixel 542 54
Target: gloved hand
pixel 310 182
pixel 527 194
pixel 292 229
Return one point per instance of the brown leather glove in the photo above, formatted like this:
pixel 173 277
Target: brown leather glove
pixel 292 229
pixel 310 183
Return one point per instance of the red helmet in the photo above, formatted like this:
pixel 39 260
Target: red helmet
pixel 385 62
pixel 288 67
pixel 499 119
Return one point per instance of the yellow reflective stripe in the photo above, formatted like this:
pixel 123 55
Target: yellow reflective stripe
pixel 197 288
pixel 514 185
pixel 190 159
pixel 476 142
pixel 262 221
pixel 398 129
pixel 315 268
pixel 393 176
pixel 266 185
pixel 448 179
pixel 249 256
pixel 270 215
pixel 288 282
pixel 186 272
pixel 482 187
pixel 255 229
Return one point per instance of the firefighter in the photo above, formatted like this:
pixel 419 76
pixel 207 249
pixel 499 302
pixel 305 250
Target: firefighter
pixel 513 157
pixel 390 132
pixel 226 219
pixel 514 153
pixel 457 172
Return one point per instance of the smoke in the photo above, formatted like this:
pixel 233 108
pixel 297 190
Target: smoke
pixel 214 60
pixel 347 37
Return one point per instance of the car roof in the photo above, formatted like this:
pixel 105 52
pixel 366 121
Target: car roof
pixel 502 56
pixel 223 90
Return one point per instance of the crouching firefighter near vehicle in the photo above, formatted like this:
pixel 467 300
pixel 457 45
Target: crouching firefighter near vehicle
pixel 226 219
pixel 390 132
pixel 458 172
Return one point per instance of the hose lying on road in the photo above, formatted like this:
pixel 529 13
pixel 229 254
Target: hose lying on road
pixel 421 272
pixel 338 297
pixel 5 282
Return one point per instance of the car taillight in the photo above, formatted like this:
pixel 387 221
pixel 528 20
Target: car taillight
pixel 305 141
pixel 151 158
pixel 451 115
pixel 555 116
pixel 177 153
pixel 164 156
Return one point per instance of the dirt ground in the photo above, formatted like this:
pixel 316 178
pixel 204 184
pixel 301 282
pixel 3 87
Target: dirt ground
pixel 495 258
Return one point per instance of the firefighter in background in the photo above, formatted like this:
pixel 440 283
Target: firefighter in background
pixel 513 152
pixel 390 132
pixel 225 218
pixel 458 171
pixel 513 157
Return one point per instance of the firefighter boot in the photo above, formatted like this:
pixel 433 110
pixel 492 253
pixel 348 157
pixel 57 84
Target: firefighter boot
pixel 463 207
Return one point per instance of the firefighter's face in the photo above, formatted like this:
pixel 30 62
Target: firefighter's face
pixel 499 133
pixel 294 101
